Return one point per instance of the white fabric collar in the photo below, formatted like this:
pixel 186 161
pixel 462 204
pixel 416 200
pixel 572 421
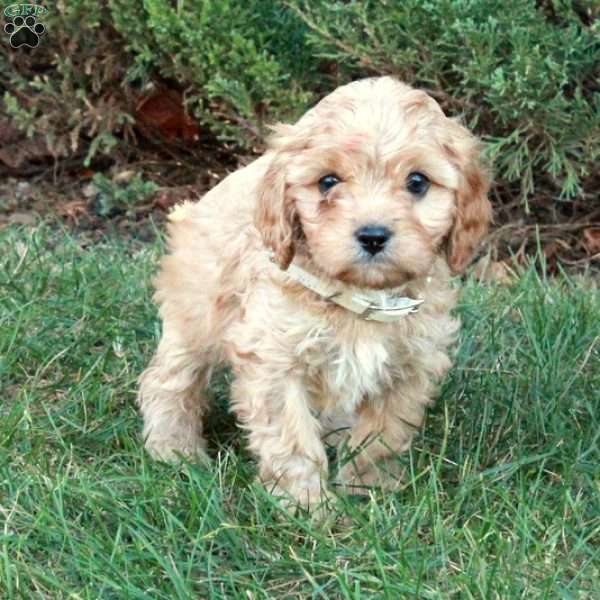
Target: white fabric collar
pixel 386 306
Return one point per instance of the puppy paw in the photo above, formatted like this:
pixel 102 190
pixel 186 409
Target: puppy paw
pixel 361 479
pixel 303 496
pixel 174 450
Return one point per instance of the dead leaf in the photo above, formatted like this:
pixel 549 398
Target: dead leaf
pixel 73 210
pixel 22 218
pixel 163 111
pixel 493 271
pixel 552 248
pixel 168 197
pixel 591 239
pixel 89 190
pixel 124 176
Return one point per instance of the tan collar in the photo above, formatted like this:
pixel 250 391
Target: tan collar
pixel 386 306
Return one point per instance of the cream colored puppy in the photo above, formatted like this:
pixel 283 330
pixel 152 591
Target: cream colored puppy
pixel 304 272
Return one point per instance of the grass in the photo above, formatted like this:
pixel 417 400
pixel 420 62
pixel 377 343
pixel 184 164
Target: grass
pixel 501 498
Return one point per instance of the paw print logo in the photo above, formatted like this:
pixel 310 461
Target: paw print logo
pixel 24 32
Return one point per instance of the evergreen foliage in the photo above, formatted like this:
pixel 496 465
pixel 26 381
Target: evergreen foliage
pixel 523 74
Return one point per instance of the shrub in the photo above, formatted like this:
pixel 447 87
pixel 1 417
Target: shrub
pixel 116 197
pixel 243 63
pixel 523 74
pixel 67 95
pixel 527 84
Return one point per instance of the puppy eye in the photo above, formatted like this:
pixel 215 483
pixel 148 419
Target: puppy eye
pixel 327 182
pixel 417 184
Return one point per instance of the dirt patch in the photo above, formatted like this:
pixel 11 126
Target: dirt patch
pixel 66 193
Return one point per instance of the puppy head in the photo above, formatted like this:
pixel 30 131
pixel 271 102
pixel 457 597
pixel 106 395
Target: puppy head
pixel 372 184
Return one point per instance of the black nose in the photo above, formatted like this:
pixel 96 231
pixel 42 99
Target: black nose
pixel 373 238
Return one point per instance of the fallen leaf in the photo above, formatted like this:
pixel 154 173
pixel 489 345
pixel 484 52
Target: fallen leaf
pixel 73 210
pixel 591 239
pixel 124 176
pixel 552 248
pixel 168 197
pixel 89 190
pixel 494 271
pixel 22 218
pixel 163 110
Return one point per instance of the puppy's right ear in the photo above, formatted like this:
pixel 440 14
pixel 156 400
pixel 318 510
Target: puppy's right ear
pixel 276 210
pixel 275 213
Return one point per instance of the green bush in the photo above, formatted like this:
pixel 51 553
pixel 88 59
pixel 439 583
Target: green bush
pixel 114 197
pixel 522 73
pixel 233 57
pixel 67 94
pixel 525 82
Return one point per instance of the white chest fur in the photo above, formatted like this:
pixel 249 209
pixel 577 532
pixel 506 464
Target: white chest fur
pixel 343 368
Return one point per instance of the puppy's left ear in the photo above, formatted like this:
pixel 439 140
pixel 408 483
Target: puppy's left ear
pixel 275 213
pixel 473 209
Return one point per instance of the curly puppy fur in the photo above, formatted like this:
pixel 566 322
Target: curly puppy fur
pixel 305 368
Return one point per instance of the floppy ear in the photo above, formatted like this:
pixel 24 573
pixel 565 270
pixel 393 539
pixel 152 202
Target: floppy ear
pixel 275 213
pixel 473 209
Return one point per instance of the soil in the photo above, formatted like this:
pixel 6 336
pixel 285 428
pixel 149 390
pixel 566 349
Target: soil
pixel 63 192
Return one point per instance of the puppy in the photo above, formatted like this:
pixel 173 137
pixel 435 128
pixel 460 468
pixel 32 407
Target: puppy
pixel 321 274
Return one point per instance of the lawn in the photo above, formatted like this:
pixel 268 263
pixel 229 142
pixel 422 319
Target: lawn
pixel 502 489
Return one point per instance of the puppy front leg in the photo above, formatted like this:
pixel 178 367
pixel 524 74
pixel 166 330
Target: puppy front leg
pixel 385 428
pixel 172 401
pixel 283 434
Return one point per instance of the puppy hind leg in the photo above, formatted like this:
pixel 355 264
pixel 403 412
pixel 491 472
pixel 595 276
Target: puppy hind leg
pixel 172 401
